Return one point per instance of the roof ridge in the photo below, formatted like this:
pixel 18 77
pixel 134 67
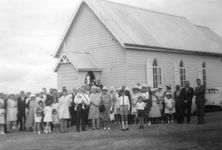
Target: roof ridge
pixel 143 9
pixel 202 26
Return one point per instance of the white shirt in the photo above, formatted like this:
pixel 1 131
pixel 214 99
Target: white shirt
pixel 82 98
pixel 145 95
pixel 124 101
pixel 140 105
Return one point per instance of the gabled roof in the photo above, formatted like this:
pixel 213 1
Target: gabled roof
pixel 138 27
pixel 80 61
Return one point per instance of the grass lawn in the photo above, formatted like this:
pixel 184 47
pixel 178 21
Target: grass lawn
pixel 155 137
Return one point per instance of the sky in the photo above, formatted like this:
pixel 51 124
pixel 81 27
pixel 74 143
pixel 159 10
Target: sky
pixel 30 31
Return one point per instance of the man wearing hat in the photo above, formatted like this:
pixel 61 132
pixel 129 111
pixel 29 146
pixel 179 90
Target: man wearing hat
pixel 21 105
pixel 187 95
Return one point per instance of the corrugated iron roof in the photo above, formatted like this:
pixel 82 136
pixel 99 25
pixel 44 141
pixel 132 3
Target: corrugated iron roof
pixel 81 62
pixel 136 26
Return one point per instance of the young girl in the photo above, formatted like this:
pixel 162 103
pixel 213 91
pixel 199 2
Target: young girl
pixel 48 118
pixel 116 106
pixel 2 115
pixel 55 115
pixel 169 107
pixel 11 114
pixel 140 106
pixel 39 111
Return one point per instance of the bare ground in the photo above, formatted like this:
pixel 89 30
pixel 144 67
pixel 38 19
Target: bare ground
pixel 155 137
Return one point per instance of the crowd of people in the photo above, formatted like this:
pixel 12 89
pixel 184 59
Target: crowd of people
pixel 98 107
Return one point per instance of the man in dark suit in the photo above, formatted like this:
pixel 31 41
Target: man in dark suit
pixel 187 95
pixel 200 101
pixel 48 98
pixel 21 105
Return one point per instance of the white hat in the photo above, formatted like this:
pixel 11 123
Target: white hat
pixel 111 88
pixel 153 89
pixel 169 86
pixel 159 87
pixel 168 93
pixel 105 88
pixel 144 85
pixel 32 95
pixel 93 88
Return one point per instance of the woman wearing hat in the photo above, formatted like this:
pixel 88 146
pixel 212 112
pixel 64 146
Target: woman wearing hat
pixel 30 115
pixel 95 101
pixel 135 96
pixel 11 114
pixel 160 96
pixel 154 110
pixel 106 101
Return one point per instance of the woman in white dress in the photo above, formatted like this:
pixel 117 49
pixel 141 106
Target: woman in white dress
pixel 30 122
pixel 11 112
pixel 64 103
pixel 154 110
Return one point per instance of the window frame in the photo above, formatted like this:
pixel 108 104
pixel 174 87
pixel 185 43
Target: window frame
pixel 157 79
pixel 182 73
pixel 204 73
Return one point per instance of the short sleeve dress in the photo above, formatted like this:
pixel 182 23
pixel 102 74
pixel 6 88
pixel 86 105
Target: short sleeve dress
pixel 94 110
pixel 154 110
pixel 48 114
pixel 11 114
pixel 106 100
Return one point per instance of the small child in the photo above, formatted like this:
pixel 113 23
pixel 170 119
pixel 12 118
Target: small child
pixel 39 111
pixel 55 115
pixel 169 107
pixel 48 118
pixel 2 116
pixel 140 106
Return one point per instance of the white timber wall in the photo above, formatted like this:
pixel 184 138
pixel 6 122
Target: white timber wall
pixel 88 35
pixel 68 76
pixel 136 67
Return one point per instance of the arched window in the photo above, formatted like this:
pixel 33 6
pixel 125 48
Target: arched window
pixel 204 71
pixel 182 73
pixel 156 74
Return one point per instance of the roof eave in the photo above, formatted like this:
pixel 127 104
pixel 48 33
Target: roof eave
pixel 56 54
pixel 172 50
pixel 90 69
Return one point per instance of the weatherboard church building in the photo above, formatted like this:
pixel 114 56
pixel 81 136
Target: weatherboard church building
pixel 124 45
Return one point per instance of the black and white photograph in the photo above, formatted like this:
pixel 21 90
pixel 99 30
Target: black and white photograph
pixel 111 74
